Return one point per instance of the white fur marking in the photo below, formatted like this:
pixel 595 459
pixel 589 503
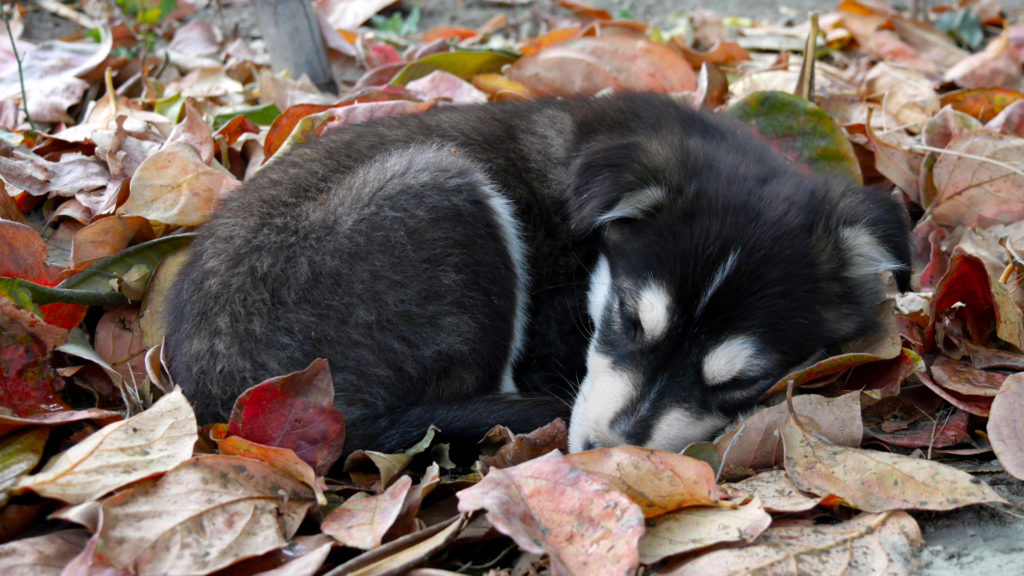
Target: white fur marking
pixel 677 428
pixel 735 356
pixel 866 255
pixel 718 279
pixel 652 308
pixel 635 204
pixel 511 231
pixel 600 290
pixel 604 393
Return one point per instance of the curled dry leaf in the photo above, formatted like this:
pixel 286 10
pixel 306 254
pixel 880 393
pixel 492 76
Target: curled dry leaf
pixel 982 103
pixel 758 444
pixel 175 186
pixel 106 237
pixel 547 506
pixel 1006 426
pixel 283 459
pixel 997 66
pixel 206 514
pixel 363 520
pixel 523 447
pixel 867 545
pixel 659 482
pixel 294 411
pixel 777 493
pixel 441 85
pixel 586 66
pixel 398 556
pixel 113 456
pixel 906 95
pixel 42 555
pixel 701 527
pixel 875 481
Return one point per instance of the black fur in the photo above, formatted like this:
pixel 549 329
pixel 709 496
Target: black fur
pixel 376 248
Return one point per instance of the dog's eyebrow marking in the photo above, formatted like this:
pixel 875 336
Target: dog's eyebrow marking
pixel 718 279
pixel 732 357
pixel 653 309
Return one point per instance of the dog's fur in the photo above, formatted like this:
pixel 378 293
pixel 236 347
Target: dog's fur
pixel 654 266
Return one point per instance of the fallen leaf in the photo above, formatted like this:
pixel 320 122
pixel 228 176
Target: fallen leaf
pixel 758 445
pixel 441 85
pixel 282 459
pixel 864 546
pixel 982 103
pixel 45 555
pixel 523 447
pixel 295 411
pixel 875 481
pixel 800 131
pixel 112 456
pixel 349 14
pixel 586 66
pixel 904 94
pixel 362 520
pixel 201 516
pixel 106 237
pixel 659 482
pixel 118 341
pixel 939 431
pixel 978 181
pixel 19 454
pixel 400 555
pixel 963 378
pixel 697 528
pixel 175 186
pixel 1006 427
pixel 151 316
pixel 547 506
pixel 777 492
pixel 720 53
pixel 461 63
pixel 997 66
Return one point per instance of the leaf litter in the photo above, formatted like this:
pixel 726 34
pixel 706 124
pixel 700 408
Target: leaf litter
pixel 140 137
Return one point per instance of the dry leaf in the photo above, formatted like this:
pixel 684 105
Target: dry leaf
pixel 659 482
pixel 204 515
pixel 547 506
pixel 759 445
pixel 979 180
pixel 362 520
pixel 700 527
pixel 1006 425
pixel 867 545
pixel 997 66
pixel 42 555
pixel 875 481
pixel 175 186
pixel 777 493
pixel 118 454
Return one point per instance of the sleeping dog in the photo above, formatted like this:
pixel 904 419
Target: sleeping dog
pixel 647 267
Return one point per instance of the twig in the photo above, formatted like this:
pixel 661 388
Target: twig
pixel 55 7
pixel 21 76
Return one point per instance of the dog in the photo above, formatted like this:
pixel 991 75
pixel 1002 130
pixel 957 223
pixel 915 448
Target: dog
pixel 644 268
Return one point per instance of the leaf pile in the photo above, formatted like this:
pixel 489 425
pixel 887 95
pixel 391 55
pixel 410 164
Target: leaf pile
pixel 143 125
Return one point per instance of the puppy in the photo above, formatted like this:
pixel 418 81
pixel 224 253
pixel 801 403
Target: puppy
pixel 650 266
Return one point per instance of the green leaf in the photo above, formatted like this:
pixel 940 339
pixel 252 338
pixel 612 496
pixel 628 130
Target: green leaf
pixel 260 115
pixel 800 131
pixel 19 454
pixel 105 277
pixel 963 26
pixel 170 108
pixel 463 63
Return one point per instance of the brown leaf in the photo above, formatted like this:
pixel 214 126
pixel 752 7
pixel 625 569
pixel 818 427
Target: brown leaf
pixel 71 174
pixel 106 237
pixel 111 457
pixel 362 520
pixel 400 555
pixel 758 444
pixel 282 459
pixel 118 341
pixel 906 95
pixel 963 378
pixel 547 506
pixel 151 318
pixel 875 481
pixel 441 85
pixel 701 527
pixel 977 182
pixel 175 186
pixel 864 546
pixel 42 555
pixel 1006 427
pixel 722 52
pixel 997 66
pixel 659 482
pixel 203 515
pixel 777 493
pixel 523 447
pixel 586 66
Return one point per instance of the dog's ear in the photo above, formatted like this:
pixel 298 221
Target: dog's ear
pixel 614 180
pixel 873 229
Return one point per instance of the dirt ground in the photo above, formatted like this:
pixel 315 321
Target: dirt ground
pixel 972 541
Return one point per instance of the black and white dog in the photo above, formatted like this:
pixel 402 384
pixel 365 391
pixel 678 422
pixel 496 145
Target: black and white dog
pixel 651 266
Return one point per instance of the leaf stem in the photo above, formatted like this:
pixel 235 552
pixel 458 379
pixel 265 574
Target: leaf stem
pixel 21 76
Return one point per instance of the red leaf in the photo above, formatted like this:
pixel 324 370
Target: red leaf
pixel 295 411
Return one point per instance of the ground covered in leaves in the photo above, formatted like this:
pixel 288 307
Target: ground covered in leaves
pixel 127 133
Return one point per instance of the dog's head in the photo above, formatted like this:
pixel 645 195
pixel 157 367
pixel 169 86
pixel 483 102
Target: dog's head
pixel 716 277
